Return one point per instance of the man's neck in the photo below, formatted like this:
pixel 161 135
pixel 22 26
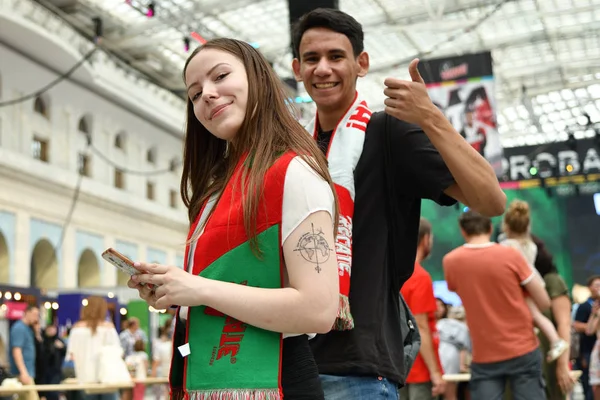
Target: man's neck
pixel 420 255
pixel 480 239
pixel 330 117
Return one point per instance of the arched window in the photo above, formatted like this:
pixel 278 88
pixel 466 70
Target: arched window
pixel 120 141
pixel 151 155
pixel 40 107
pixel 83 125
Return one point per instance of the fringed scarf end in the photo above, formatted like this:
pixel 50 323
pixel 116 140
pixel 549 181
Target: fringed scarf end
pixel 344 320
pixel 235 394
pixel 176 394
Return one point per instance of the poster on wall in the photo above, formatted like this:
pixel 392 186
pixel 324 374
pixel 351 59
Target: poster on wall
pixel 463 88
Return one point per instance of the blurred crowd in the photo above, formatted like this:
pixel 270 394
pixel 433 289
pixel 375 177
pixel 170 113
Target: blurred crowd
pixel 516 321
pixel 39 355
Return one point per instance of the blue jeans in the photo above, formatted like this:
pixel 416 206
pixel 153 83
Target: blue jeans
pixel 523 374
pixel 358 388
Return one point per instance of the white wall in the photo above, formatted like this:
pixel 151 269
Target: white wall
pixel 30 188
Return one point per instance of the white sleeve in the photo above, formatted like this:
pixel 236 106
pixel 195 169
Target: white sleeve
pixel 304 193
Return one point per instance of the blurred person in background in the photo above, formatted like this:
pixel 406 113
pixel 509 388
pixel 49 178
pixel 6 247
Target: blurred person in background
pixel 49 360
pixel 593 328
pixel 491 281
pixel 587 341
pixel 425 378
pixel 455 344
pixel 86 340
pixel 137 364
pixel 132 334
pixel 161 357
pixel 22 346
pixel 558 380
pixel 517 227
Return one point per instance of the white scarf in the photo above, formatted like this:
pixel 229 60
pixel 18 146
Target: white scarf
pixel 345 149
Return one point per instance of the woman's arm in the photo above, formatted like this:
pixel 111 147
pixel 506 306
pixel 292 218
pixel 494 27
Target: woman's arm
pixel 561 310
pixel 155 363
pixel 310 304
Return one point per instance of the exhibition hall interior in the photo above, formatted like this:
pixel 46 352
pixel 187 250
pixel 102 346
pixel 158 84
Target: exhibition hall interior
pixel 92 132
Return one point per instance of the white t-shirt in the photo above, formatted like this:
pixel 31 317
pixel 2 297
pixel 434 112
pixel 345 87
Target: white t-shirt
pixel 136 363
pixel 163 351
pixel 304 193
pixel 83 347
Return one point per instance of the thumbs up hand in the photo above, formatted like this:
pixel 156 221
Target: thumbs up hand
pixel 408 100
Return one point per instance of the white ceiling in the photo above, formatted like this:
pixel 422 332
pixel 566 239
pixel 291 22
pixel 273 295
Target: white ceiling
pixel 552 47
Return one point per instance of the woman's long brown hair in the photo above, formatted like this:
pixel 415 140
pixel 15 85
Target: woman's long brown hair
pixel 94 313
pixel 268 130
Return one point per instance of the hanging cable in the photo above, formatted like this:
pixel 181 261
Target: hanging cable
pixel 67 221
pixel 51 84
pixel 172 167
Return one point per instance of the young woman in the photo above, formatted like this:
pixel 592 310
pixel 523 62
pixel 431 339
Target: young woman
pixel 517 223
pixel 87 336
pixel 260 274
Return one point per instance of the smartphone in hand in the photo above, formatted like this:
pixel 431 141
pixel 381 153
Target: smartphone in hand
pixel 120 261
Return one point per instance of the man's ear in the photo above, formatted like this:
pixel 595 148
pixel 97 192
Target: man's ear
pixel 296 69
pixel 363 63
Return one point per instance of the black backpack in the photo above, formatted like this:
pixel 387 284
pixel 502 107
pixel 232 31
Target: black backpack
pixel 408 328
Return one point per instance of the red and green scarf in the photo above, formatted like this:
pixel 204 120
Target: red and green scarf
pixel 229 359
pixel 345 149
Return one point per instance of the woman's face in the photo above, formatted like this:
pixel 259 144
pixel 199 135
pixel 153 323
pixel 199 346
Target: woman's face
pixel 51 331
pixel 217 86
pixel 441 309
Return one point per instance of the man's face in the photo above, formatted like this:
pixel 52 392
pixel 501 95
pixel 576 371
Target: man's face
pixel 595 288
pixel 328 68
pixel 33 316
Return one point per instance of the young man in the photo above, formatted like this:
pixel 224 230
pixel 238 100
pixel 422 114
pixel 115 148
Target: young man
pixel 492 281
pixel 22 346
pixel 364 360
pixel 425 379
pixel 587 342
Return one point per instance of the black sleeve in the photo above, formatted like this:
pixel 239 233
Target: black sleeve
pixel 420 170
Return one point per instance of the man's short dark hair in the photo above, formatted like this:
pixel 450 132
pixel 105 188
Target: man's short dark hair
pixel 474 223
pixel 591 279
pixel 332 19
pixel 31 307
pixel 424 229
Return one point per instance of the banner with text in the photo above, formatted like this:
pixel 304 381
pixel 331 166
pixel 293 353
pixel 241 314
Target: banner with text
pixel 463 88
pixel 552 160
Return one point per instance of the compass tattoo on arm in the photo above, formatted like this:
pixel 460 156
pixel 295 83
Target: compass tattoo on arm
pixel 313 247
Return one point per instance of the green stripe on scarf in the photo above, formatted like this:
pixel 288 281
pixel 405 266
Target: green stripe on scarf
pixel 230 359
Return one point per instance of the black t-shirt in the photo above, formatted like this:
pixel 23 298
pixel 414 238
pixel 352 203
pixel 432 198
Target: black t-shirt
pixel 374 347
pixel 586 343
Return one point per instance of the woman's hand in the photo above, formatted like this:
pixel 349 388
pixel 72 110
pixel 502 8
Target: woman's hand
pixel 162 286
pixel 563 378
